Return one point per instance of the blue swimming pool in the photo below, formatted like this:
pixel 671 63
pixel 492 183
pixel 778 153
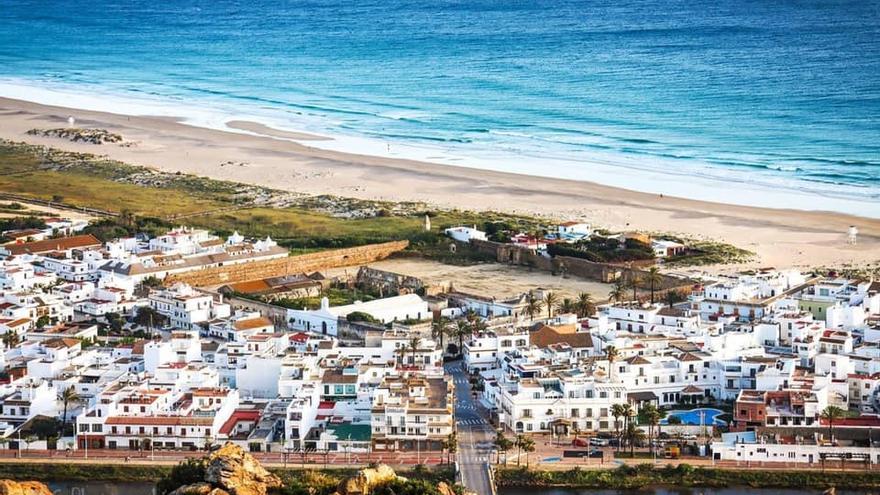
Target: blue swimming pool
pixel 708 416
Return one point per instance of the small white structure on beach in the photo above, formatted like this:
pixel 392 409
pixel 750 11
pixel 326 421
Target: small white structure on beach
pixel 851 234
pixel 465 234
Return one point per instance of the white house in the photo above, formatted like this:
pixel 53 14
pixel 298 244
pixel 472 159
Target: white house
pixel 325 320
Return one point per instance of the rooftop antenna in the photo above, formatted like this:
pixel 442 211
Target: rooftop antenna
pixel 851 235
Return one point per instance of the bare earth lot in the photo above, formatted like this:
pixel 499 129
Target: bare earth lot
pixel 489 279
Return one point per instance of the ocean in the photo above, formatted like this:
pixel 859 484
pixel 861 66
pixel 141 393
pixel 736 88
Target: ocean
pixel 768 102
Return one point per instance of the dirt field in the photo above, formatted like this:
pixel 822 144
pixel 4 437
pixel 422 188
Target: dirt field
pixel 487 279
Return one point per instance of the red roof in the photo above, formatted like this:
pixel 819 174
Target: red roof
pixel 300 337
pixel 326 404
pixel 861 421
pixel 238 416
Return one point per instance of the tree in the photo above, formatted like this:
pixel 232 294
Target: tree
pixel 451 446
pixel 68 396
pixel 527 446
pixel 651 415
pixel 635 281
pixel 584 305
pixel 43 321
pixel 518 443
pixel 503 444
pixel 654 278
pixel 533 306
pixel 617 412
pixel 11 339
pixel 115 321
pixel 462 328
pixel 628 414
pixel 611 354
pixel 831 414
pixel 439 328
pixel 149 317
pixel 633 435
pixel 567 306
pixel 414 344
pixel 551 299
pixel 618 291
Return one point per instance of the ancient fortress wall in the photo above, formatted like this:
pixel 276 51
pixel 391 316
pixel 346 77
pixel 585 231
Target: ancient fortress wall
pixel 302 263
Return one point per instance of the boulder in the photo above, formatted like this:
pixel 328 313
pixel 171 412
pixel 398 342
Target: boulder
pixel 366 480
pixel 237 472
pixel 9 487
pixel 199 489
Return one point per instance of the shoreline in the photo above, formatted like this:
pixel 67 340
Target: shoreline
pixel 781 238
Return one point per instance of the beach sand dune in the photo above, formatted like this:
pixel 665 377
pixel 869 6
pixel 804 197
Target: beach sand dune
pixel 781 238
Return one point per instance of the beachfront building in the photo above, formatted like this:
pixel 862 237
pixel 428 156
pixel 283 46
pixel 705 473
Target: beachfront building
pixel 326 319
pixel 557 402
pixel 747 297
pixel 412 411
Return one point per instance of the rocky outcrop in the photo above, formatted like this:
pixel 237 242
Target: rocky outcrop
pixel 366 480
pixel 230 470
pixel 91 136
pixel 9 487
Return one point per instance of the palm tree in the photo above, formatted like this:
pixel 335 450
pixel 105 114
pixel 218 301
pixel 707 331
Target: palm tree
pixel 551 300
pixel 654 278
pixel 618 291
pixel 439 328
pixel 584 305
pixel 528 445
pixel 462 328
pixel 617 412
pixel 11 339
pixel 628 413
pixel 567 306
pixel 652 416
pixel 831 414
pixel 533 306
pixel 611 354
pixel 503 444
pixel 518 443
pixel 634 282
pixel 633 435
pixel 414 344
pixel 68 396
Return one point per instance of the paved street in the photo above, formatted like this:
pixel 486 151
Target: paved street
pixel 475 435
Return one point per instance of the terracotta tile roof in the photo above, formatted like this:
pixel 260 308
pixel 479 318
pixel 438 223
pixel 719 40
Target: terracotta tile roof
pixel 61 244
pixel 547 336
pixel 252 323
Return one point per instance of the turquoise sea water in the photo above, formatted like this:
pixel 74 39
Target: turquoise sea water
pixel 781 94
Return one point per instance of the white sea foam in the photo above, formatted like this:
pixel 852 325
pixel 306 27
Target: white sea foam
pixel 671 177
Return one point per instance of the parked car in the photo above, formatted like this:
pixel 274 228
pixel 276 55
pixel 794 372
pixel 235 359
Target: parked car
pixel 600 442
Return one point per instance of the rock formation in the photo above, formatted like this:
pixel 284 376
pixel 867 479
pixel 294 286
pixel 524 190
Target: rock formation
pixel 230 470
pixel 366 480
pixel 9 487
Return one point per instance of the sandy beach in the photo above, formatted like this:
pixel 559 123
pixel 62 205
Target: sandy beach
pixel 270 157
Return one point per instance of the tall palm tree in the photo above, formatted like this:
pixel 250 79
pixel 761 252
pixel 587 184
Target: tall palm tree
pixel 518 443
pixel 68 396
pixel 414 344
pixel 584 305
pixel 618 291
pixel 628 413
pixel 528 446
pixel 654 278
pixel 502 444
pixel 440 328
pixel 617 412
pixel 462 328
pixel 533 305
pixel 611 354
pixel 652 416
pixel 451 446
pixel 567 306
pixel 635 281
pixel 551 300
pixel 633 435
pixel 831 414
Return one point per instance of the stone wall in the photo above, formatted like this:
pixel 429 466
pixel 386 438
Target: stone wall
pixel 303 263
pixel 566 265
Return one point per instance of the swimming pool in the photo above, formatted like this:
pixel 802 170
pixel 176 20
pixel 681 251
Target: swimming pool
pixel 709 416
